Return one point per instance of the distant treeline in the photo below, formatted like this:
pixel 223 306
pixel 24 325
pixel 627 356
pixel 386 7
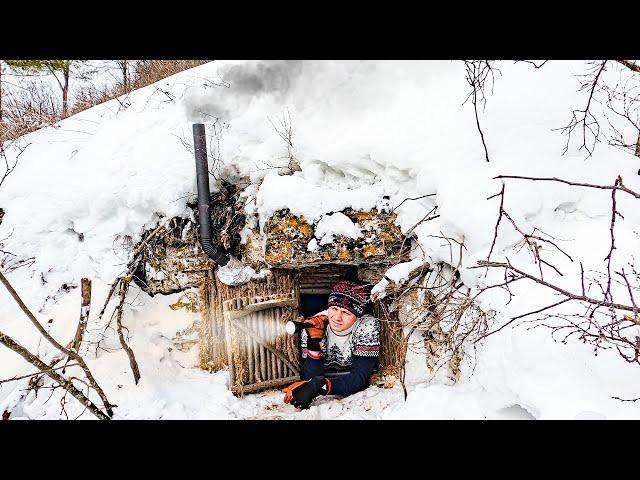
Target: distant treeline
pixel 28 101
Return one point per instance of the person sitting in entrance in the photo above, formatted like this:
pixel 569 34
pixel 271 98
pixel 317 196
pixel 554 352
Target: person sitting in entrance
pixel 340 350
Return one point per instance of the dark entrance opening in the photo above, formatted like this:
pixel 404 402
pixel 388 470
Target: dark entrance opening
pixel 312 303
pixel 315 285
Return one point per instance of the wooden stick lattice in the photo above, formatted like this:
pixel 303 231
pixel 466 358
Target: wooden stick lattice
pixel 259 341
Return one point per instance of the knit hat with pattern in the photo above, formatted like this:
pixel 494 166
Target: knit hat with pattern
pixel 348 295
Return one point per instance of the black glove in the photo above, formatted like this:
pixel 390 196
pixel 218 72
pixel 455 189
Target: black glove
pixel 313 344
pixel 305 393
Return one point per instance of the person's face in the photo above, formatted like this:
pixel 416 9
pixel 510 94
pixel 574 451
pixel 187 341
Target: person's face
pixel 340 318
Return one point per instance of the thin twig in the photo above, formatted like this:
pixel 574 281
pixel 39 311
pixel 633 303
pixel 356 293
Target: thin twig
pixel 118 314
pixel 566 293
pixel 63 382
pixel 620 186
pixel 13 379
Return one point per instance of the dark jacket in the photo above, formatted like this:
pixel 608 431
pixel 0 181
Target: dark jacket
pixel 348 369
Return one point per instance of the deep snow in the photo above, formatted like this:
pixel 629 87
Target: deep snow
pixel 361 131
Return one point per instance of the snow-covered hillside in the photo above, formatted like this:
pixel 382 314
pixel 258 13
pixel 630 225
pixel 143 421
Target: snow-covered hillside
pixel 362 131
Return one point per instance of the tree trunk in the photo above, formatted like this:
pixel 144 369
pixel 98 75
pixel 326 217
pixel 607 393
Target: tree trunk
pixel 638 146
pixel 125 75
pixel 123 65
pixel 65 92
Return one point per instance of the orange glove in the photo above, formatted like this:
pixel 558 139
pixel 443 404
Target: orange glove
pixel 315 333
pixel 318 325
pixel 288 392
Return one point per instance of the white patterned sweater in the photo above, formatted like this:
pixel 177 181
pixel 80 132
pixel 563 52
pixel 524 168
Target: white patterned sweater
pixel 362 339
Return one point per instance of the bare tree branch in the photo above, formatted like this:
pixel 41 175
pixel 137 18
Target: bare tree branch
pixel 411 199
pixel 70 353
pixel 535 65
pixel 478 71
pixel 630 65
pixel 584 119
pixel 620 186
pixel 566 293
pixel 124 287
pixel 603 323
pixel 39 372
pixel 66 384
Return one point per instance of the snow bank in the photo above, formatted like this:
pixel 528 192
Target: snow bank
pixel 360 131
pixel 336 224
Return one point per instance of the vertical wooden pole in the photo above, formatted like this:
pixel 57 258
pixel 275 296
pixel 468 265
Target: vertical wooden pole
pixel 229 339
pixel 85 307
pixel 273 318
pixel 246 341
pixel 264 354
pixel 277 342
pixel 206 345
pixel 262 319
pixel 269 339
pixel 250 347
pixel 260 374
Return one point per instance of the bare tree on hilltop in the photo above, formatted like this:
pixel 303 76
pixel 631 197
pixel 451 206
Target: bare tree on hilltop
pixel 61 70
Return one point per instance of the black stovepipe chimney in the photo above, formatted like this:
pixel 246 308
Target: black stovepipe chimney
pixel 217 254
